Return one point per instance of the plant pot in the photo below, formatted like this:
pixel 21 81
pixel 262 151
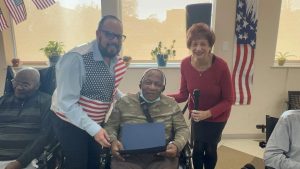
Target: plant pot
pixel 161 60
pixel 281 62
pixel 15 62
pixel 127 60
pixel 53 60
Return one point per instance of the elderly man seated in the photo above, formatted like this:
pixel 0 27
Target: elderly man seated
pixel 283 147
pixel 161 109
pixel 24 121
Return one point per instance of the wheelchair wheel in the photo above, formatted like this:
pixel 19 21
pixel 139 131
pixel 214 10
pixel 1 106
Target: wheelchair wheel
pixel 52 158
pixel 105 159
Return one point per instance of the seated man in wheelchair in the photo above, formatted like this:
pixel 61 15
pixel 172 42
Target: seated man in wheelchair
pixel 146 106
pixel 24 121
pixel 283 147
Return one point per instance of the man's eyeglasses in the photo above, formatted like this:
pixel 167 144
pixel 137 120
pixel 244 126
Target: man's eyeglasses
pixel 110 35
pixel 22 84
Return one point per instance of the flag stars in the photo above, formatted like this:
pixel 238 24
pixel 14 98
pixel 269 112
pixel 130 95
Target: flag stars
pixel 238 18
pixel 252 43
pixel 240 36
pixel 245 23
pixel 245 36
pixel 238 28
pixel 241 4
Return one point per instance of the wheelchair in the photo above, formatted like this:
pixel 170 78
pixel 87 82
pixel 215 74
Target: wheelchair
pixel 268 129
pixel 293 103
pixel 51 157
pixel 184 162
pixel 185 158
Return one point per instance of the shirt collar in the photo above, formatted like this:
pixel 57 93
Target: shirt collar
pixel 148 101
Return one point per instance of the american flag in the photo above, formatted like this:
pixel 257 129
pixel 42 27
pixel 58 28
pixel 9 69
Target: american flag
pixel 17 10
pixel 43 4
pixel 245 36
pixel 3 24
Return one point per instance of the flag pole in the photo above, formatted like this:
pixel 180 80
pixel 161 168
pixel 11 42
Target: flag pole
pixel 13 38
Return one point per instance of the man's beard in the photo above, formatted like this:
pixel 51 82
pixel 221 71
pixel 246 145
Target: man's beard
pixel 106 53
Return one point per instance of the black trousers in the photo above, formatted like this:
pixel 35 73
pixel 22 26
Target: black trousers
pixel 206 136
pixel 79 148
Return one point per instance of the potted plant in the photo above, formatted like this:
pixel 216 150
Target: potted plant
pixel 15 62
pixel 127 60
pixel 282 57
pixel 162 53
pixel 53 51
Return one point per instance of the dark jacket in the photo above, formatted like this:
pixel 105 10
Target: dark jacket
pixel 25 127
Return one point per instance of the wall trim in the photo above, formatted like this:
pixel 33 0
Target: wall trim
pixel 260 136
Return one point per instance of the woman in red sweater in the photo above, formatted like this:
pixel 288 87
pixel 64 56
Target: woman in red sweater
pixel 210 75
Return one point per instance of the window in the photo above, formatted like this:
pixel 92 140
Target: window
pixel 71 22
pixel 146 22
pixel 288 32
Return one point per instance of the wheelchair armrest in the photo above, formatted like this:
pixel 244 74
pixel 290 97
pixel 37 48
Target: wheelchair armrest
pixel 51 152
pixel 262 127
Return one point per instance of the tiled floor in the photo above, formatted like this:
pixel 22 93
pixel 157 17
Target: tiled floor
pixel 236 153
pixel 244 145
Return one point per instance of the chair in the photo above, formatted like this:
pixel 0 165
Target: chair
pixel 52 156
pixel 8 88
pixel 47 80
pixel 185 156
pixel 293 100
pixel 268 129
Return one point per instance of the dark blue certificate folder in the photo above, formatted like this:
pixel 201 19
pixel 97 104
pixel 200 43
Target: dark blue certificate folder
pixel 143 138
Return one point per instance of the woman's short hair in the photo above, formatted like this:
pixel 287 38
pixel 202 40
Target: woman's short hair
pixel 199 31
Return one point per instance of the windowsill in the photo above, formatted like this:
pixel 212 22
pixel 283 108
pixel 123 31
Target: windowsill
pixel 151 65
pixel 288 64
pixel 35 64
pixel 41 64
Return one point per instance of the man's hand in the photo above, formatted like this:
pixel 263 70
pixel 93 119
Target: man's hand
pixel 115 147
pixel 171 151
pixel 14 165
pixel 102 138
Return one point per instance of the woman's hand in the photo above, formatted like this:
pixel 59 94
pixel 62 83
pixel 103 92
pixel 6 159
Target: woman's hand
pixel 198 115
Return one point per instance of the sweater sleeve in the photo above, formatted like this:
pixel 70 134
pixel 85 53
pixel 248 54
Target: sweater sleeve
pixel 70 74
pixel 278 146
pixel 226 94
pixel 182 133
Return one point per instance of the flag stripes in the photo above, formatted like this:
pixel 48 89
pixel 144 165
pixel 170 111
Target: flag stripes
pixel 17 10
pixel 43 4
pixel 3 24
pixel 243 73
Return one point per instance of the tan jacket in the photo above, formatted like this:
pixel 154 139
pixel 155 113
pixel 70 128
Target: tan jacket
pixel 128 110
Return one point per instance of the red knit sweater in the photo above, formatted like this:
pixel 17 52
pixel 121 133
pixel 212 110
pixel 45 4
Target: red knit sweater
pixel 216 92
